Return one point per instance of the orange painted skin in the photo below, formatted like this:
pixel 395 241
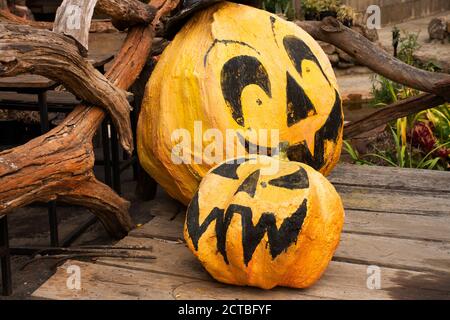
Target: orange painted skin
pixel 302 260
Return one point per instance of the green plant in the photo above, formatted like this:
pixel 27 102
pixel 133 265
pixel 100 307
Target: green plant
pixel 329 5
pixel 312 8
pixel 345 13
pixel 407 46
pixel 279 7
pixel 420 140
pixel 401 156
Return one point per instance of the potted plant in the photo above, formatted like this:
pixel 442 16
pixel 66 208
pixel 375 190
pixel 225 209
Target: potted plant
pixel 328 8
pixel 346 15
pixel 311 9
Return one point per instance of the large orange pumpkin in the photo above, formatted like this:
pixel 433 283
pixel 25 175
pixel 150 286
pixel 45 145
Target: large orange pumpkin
pixel 237 67
pixel 251 228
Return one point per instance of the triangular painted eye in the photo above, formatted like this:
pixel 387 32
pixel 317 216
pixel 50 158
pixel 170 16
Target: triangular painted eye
pixel 229 169
pixel 298 51
pixel 328 132
pixel 297 180
pixel 299 106
pixel 237 73
pixel 250 183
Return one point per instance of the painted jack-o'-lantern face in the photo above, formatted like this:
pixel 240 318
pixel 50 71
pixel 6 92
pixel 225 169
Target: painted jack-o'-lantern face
pixel 264 230
pixel 237 67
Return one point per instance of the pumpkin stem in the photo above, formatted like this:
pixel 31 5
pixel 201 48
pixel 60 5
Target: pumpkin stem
pixel 282 151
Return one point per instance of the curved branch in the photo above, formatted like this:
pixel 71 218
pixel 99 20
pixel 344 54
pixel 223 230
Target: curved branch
pixel 24 49
pixel 110 208
pixel 58 165
pixel 127 13
pixel 365 52
pixel 394 111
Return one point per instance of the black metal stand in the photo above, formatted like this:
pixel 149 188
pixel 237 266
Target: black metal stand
pixel 106 153
pixel 115 160
pixel 5 257
pixel 45 127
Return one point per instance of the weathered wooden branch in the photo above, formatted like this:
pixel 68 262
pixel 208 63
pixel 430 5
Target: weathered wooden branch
pixel 24 49
pixel 367 53
pixel 58 165
pixel 125 14
pixel 96 26
pixel 394 111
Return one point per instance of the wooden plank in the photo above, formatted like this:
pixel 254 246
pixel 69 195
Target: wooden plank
pixel 407 226
pixel 385 242
pixel 26 81
pixel 397 253
pixel 340 273
pixel 164 228
pixel 73 18
pixel 403 226
pixel 111 282
pixel 396 201
pixel 179 275
pixel 342 280
pixel 399 249
pixel 108 283
pixel 53 97
pixel 405 233
pixel 391 178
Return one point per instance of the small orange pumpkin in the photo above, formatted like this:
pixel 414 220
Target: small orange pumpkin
pixel 248 227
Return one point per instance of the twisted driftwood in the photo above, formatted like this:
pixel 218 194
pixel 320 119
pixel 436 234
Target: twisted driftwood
pixel 125 14
pixel 29 50
pixel 58 165
pixel 394 111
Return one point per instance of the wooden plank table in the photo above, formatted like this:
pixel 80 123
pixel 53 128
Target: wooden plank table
pixel 396 219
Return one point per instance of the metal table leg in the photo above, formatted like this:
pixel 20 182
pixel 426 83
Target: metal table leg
pixel 43 111
pixel 53 221
pixel 134 119
pixel 115 160
pixel 106 152
pixel 45 127
pixel 5 257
